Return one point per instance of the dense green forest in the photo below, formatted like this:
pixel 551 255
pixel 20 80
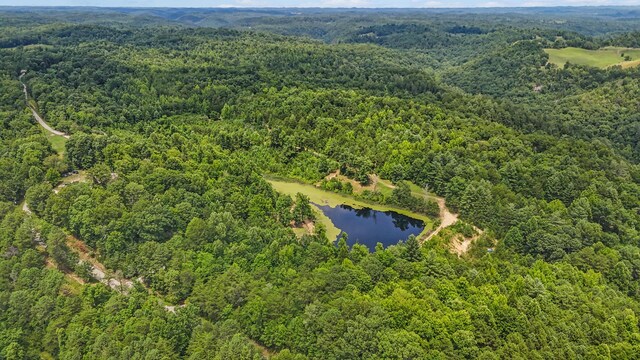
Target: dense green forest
pixel 152 232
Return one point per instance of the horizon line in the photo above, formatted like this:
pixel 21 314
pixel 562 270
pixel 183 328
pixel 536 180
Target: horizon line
pixel 322 7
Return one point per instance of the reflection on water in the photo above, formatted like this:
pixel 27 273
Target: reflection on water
pixel 369 227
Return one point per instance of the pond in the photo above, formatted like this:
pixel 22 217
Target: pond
pixel 369 227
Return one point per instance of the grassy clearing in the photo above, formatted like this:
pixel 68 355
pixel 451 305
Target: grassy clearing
pixel 71 179
pixel 299 231
pixel 600 58
pixel 630 64
pixel 322 197
pixel 384 187
pixel 384 190
pixel 81 176
pixel 332 230
pixel 71 286
pixel 46 356
pixel 57 142
pixel 36 46
pixel 416 190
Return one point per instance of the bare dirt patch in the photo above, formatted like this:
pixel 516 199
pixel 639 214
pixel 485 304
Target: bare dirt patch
pixel 309 226
pixel 447 218
pixel 81 176
pixel 460 245
pixel 306 228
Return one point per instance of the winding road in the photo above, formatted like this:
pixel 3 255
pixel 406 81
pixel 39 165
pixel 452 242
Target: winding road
pixel 98 271
pixel 35 113
pixel 447 218
pixel 459 245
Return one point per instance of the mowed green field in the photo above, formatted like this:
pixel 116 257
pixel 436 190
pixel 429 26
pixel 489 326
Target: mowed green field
pixel 57 142
pixel 600 58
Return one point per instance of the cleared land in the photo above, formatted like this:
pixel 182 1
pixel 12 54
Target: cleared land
pixel 323 197
pixel 57 142
pixel 600 58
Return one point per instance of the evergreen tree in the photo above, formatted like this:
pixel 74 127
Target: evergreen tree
pixel 412 249
pixel 343 248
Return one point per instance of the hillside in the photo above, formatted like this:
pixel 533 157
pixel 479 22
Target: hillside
pixel 181 217
pixel 601 58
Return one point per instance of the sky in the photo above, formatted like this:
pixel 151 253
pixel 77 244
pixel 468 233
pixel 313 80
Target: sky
pixel 318 3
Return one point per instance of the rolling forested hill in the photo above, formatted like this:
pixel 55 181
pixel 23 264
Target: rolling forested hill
pixel 146 227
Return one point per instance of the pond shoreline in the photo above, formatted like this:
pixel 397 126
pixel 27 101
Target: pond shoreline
pixel 370 227
pixel 331 199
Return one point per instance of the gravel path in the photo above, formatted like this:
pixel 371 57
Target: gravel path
pixel 98 270
pixel 447 218
pixel 35 113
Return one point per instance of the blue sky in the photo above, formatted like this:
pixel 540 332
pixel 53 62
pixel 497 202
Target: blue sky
pixel 317 3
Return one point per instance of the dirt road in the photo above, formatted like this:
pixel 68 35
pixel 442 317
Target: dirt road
pixel 447 218
pixel 98 270
pixel 35 113
pixel 25 208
